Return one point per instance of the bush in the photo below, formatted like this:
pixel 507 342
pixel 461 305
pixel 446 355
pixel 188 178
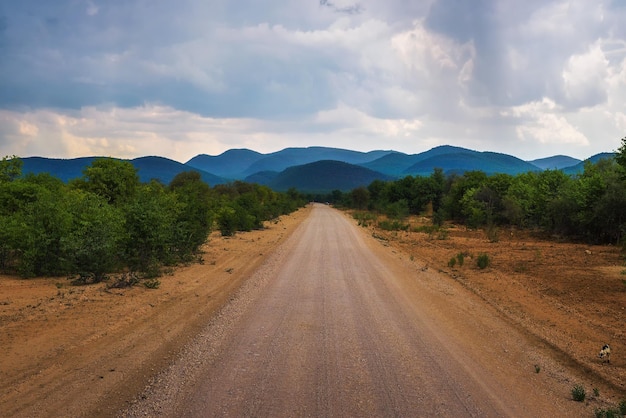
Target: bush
pixel 483 261
pixel 460 258
pixel 608 413
pixel 452 262
pixel 364 218
pixel 578 393
pixel 393 225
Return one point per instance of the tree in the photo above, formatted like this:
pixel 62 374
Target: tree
pixel 43 224
pixel 93 244
pixel 150 225
pixel 10 169
pixel 195 217
pixel 360 198
pixel 620 155
pixel 115 180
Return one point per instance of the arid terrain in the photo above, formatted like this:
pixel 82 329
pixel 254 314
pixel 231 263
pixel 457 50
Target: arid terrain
pixel 568 297
pixel 76 351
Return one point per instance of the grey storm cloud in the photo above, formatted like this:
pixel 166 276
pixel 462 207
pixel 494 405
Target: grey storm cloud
pixel 431 70
pixel 127 53
pixel 349 9
pixel 522 47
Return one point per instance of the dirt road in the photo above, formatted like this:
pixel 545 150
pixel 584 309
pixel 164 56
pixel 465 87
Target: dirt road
pixel 333 324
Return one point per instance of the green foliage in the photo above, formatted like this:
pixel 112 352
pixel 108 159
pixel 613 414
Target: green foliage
pixel 364 218
pixel 609 413
pixel 393 225
pixel 10 169
pixel 227 221
pixel 620 156
pixel 194 217
pixel 578 393
pixel 588 206
pixel 452 262
pixel 360 198
pixel 114 180
pixel 397 210
pixel 150 225
pixel 94 240
pixel 427 229
pixel 483 261
pixel 107 221
pixel 460 258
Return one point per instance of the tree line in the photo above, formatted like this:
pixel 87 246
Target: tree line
pixel 590 206
pixel 108 221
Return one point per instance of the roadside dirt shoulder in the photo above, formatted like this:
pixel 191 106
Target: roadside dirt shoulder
pixel 85 351
pixel 568 299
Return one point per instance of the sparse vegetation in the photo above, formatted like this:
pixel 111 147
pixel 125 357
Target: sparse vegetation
pixel 578 393
pixel 364 218
pixel 492 233
pixel 443 234
pixel 393 225
pixel 457 259
pixel 483 261
pixel 608 413
pixel 537 368
pixel 124 280
pixel 426 229
pixel 153 283
pixel 520 267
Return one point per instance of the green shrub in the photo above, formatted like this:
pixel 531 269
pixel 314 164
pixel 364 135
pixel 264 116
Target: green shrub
pixel 460 258
pixel 578 393
pixel 622 407
pixel 608 413
pixel 427 229
pixel 364 218
pixel 393 225
pixel 452 262
pixel 483 261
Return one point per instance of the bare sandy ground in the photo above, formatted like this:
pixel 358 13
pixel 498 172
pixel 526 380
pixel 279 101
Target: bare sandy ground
pixel 80 351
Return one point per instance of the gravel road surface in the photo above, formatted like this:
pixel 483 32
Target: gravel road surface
pixel 330 327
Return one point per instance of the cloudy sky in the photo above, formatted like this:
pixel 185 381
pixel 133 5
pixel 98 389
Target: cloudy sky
pixel 128 78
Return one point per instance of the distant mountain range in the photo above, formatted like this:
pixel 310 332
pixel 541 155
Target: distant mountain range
pixel 148 168
pixel 318 169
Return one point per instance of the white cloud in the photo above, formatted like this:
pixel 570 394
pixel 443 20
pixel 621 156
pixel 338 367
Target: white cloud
pixel 177 79
pixel 585 78
pixel 543 123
